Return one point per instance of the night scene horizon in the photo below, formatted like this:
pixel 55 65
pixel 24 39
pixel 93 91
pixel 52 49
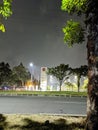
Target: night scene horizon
pixel 34 34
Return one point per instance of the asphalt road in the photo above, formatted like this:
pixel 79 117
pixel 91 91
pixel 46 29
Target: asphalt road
pixel 41 104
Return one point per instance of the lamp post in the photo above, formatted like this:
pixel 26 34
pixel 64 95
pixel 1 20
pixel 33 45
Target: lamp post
pixel 31 65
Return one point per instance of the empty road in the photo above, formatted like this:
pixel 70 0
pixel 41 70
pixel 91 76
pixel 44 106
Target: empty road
pixel 41 104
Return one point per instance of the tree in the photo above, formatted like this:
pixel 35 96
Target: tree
pixel 60 72
pixel 5 73
pixel 90 10
pixel 5 12
pixel 20 74
pixel 73 33
pixel 79 72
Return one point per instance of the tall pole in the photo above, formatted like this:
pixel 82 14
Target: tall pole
pixel 31 77
pixel 31 65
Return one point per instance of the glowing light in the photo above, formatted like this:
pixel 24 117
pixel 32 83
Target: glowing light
pixel 31 64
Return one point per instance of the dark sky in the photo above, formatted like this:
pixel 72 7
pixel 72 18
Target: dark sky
pixel 34 34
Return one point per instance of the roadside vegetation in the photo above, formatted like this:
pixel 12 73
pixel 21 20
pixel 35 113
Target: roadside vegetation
pixel 61 77
pixel 64 72
pixel 43 93
pixel 40 122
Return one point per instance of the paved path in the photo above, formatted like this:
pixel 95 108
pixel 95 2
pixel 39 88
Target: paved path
pixel 41 104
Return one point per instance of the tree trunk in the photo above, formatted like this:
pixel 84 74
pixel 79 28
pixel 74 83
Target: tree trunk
pixel 60 84
pixel 78 82
pixel 92 99
pixel 22 83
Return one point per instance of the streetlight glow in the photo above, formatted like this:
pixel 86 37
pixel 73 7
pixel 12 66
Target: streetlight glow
pixel 31 64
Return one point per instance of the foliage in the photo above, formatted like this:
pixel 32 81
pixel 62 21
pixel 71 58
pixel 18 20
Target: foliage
pixel 60 72
pixel 2 28
pixel 5 73
pixel 78 6
pixel 70 86
pixel 5 12
pixel 85 83
pixel 16 76
pixel 20 74
pixel 81 71
pixel 73 33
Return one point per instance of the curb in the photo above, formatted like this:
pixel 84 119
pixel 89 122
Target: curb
pixel 42 95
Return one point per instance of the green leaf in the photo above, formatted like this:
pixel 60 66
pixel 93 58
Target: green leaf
pixel 73 33
pixel 2 28
pixel 5 12
pixel 72 6
pixel 5 9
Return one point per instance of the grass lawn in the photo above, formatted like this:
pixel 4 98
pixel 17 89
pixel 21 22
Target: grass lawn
pixel 40 122
pixel 46 93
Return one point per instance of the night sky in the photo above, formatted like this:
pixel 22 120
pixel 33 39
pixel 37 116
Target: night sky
pixel 34 34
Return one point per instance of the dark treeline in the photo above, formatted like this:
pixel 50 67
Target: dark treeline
pixel 16 76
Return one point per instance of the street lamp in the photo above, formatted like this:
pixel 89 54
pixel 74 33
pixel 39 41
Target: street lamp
pixel 31 65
